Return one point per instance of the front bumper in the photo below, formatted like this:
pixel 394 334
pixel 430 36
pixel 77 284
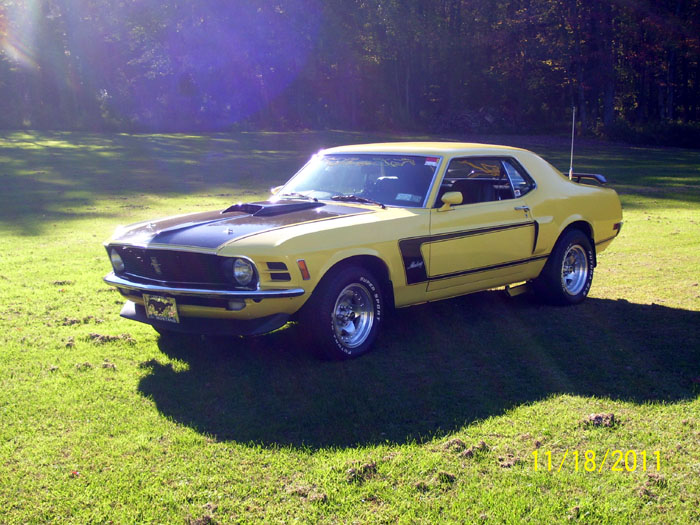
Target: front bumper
pixel 205 293
pixel 194 325
pixel 204 311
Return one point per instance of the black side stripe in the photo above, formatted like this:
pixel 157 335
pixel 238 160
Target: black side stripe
pixel 487 268
pixel 413 262
pixel 475 231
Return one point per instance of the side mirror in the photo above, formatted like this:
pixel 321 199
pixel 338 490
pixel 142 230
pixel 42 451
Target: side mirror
pixel 451 198
pixel 276 189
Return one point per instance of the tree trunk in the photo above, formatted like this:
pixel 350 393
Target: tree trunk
pixel 583 114
pixel 671 71
pixel 607 47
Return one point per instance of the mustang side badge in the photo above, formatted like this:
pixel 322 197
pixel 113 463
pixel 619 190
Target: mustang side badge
pixel 156 266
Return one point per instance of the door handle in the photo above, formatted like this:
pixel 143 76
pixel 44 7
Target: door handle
pixel 523 208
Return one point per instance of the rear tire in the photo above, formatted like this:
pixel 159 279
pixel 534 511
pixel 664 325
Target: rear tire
pixel 344 313
pixel 566 278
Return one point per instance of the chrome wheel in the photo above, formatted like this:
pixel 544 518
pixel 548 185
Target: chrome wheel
pixel 353 315
pixel 574 270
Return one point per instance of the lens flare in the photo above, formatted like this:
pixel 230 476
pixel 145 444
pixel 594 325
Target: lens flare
pixel 18 33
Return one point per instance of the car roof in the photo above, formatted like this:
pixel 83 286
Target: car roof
pixel 426 148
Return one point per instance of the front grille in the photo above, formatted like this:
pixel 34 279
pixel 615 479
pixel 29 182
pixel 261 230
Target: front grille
pixel 172 266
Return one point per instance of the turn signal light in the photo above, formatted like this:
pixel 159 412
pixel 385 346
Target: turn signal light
pixel 303 269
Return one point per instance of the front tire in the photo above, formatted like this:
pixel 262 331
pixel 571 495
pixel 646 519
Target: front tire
pixel 345 312
pixel 566 278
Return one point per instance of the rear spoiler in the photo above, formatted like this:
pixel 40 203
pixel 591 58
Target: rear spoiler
pixel 600 179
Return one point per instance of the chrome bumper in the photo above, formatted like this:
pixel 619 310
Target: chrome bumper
pixel 209 293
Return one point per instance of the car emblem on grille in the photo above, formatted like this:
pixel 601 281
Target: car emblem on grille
pixel 156 266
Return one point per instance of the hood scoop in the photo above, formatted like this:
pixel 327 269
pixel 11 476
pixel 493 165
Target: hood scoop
pixel 270 209
pixel 210 230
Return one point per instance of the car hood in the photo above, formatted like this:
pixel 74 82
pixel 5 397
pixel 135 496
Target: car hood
pixel 210 230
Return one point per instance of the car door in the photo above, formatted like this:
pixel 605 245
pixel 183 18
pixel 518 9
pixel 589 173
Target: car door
pixel 490 236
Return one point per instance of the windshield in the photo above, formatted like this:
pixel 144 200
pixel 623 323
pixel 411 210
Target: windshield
pixel 394 180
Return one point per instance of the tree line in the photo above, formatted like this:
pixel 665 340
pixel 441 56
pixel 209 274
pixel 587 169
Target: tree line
pixel 434 65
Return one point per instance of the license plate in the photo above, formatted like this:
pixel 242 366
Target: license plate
pixel 161 308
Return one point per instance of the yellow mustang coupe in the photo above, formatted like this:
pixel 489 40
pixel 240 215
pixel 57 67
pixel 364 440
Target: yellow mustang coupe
pixel 360 229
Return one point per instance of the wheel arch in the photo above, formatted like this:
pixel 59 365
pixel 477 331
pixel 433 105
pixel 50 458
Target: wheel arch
pixel 587 229
pixel 375 264
pixel 549 284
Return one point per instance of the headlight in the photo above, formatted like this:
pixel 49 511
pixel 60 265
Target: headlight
pixel 117 262
pixel 243 272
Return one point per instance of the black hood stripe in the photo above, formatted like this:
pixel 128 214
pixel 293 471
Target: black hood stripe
pixel 321 219
pixel 209 231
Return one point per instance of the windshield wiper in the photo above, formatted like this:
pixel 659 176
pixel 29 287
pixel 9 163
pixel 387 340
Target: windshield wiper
pixel 357 198
pixel 298 195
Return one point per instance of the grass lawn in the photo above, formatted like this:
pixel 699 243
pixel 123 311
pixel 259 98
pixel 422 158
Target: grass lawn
pixel 454 417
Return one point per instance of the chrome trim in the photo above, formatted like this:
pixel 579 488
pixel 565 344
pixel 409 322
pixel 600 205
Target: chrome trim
pixel 433 182
pixel 256 273
pixel 119 282
pixel 519 165
pixel 255 269
pixel 167 247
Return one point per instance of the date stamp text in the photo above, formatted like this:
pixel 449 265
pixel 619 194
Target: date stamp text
pixel 588 461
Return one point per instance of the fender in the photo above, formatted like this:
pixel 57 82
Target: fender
pixel 343 255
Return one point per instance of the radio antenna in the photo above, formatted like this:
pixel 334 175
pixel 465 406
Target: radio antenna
pixel 573 127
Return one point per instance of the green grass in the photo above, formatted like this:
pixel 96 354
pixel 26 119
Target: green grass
pixel 137 428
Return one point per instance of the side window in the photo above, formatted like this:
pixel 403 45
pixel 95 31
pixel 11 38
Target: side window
pixel 477 179
pixel 521 181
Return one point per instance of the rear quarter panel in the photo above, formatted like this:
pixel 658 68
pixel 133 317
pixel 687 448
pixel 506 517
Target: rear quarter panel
pixel 558 202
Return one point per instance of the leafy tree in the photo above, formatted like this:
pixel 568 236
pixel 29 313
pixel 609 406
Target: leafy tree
pixel 445 65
